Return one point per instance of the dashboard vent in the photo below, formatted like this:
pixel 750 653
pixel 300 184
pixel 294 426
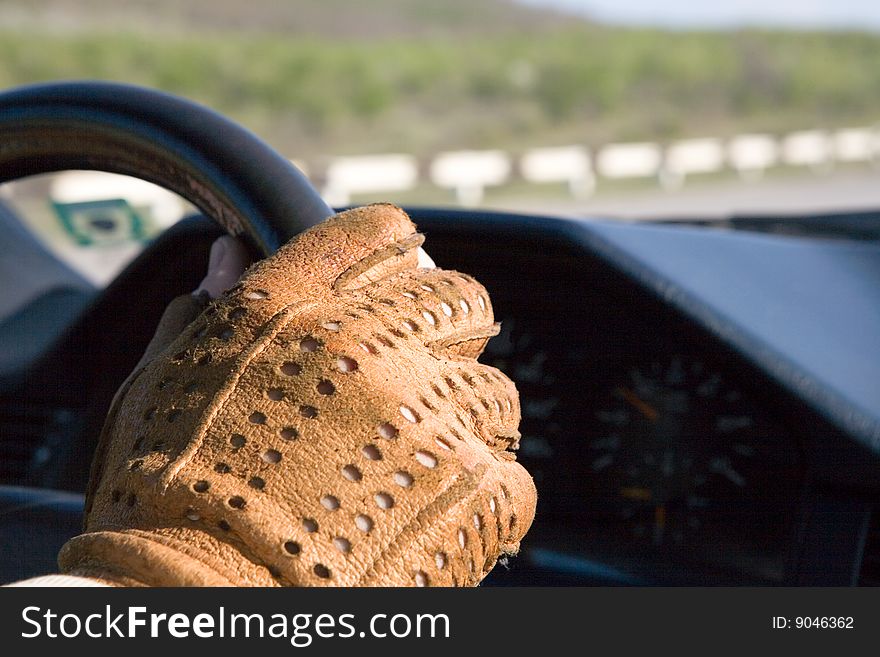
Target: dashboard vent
pixel 869 574
pixel 32 436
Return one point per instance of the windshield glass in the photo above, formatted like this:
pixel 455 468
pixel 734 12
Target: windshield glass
pixel 623 108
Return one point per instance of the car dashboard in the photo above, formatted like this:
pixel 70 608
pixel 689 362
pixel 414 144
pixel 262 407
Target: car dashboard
pixel 666 449
pixel 674 439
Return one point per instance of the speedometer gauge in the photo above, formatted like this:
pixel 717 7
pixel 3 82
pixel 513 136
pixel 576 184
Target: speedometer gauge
pixel 680 456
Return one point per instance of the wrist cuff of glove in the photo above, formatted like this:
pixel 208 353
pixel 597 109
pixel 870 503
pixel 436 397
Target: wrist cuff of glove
pixel 152 558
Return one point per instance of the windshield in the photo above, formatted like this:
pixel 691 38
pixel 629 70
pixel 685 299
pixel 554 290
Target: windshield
pixel 628 109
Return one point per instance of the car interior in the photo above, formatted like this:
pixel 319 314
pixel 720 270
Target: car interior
pixel 701 401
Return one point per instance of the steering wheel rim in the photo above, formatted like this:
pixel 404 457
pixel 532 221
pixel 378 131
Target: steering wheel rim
pixel 226 171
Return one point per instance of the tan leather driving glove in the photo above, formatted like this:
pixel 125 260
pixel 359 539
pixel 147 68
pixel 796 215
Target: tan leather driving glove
pixel 325 422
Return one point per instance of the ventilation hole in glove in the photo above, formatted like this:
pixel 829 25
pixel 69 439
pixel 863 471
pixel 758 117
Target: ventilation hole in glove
pixel 158 446
pixel 326 387
pixel 386 342
pixel 427 404
pixel 387 302
pixel 427 288
pixel 179 356
pixel 497 406
pixel 429 317
pixel 450 383
pixel 482 303
pixel 191 387
pixel 493 505
pixel 271 456
pixel 222 468
pixel 465 308
pixel 351 473
pixel 131 500
pixel 345 364
pixel 150 413
pixel 387 430
pixel 442 443
pixel 330 502
pixel 366 346
pixel 204 360
pixel 201 486
pixel 410 325
pixel 115 496
pixel 322 571
pixel 372 453
pixel 331 326
pixel 409 414
pixel 467 378
pixel 193 515
pixel 478 522
pixel 292 547
pixel 226 333
pixel 310 525
pixel 454 432
pixel 462 538
pixel 342 544
pixel 257 483
pixel 275 394
pixel 437 391
pixel 257 418
pixel 384 500
pixel 224 526
pixel 512 524
pixel 256 295
pixel 507 403
pixel 364 523
pixel 236 502
pixel 421 579
pixel 289 433
pixel 504 492
pixel 410 295
pixel 440 560
pixel 164 383
pixel 308 411
pixel 485 404
pixel 290 369
pixel 237 440
pixel 138 444
pixel 309 344
pixel 237 313
pixel 136 465
pixel 446 308
pixel 403 479
pixel 426 459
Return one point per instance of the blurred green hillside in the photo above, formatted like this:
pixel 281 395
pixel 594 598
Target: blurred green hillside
pixel 342 76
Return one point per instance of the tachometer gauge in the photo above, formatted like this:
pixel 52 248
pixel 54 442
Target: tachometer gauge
pixel 681 456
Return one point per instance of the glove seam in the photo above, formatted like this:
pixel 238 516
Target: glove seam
pixel 277 323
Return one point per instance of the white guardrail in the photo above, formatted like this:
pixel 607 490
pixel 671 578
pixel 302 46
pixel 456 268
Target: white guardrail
pixel 468 173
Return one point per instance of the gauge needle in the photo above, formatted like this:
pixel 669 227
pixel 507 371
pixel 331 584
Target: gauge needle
pixel 659 523
pixel 641 406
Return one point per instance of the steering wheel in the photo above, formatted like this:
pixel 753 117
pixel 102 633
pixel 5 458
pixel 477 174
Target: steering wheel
pixel 227 172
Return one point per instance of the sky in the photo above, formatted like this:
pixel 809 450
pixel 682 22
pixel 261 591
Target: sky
pixel 864 14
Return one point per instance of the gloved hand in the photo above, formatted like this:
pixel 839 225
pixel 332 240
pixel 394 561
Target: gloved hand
pixel 323 423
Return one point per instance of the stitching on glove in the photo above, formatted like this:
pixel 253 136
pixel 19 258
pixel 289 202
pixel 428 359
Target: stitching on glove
pixel 379 265
pixel 262 341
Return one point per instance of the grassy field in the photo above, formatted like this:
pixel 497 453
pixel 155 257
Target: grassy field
pixel 430 81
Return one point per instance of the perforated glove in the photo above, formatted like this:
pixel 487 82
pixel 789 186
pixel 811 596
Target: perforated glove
pixel 323 423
